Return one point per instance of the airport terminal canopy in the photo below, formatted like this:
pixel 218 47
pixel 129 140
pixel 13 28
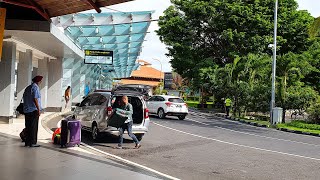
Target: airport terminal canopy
pixel 120 32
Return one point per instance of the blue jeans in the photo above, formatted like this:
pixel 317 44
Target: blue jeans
pixel 128 127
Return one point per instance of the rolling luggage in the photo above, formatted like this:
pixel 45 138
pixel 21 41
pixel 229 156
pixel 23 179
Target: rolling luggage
pixel 74 133
pixel 64 133
pixel 23 135
pixel 70 133
pixel 117 118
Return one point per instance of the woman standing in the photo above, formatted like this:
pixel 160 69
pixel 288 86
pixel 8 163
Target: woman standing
pixel 128 111
pixel 67 95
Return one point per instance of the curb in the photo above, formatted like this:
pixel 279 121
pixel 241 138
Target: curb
pixel 129 162
pixel 45 119
pixel 298 132
pixel 49 117
pixel 266 126
pixel 262 125
pixel 241 120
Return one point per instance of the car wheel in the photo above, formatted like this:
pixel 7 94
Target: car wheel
pixel 95 132
pixel 139 136
pixel 161 113
pixel 182 117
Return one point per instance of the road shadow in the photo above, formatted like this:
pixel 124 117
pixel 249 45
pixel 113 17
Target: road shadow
pixel 105 138
pixel 207 121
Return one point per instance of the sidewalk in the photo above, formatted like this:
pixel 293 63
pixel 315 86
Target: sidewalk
pixel 50 162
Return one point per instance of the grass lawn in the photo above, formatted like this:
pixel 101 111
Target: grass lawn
pixel 195 104
pixel 301 126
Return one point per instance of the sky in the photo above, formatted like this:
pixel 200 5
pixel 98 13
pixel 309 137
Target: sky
pixel 154 49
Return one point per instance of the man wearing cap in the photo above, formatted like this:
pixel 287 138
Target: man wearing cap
pixel 32 109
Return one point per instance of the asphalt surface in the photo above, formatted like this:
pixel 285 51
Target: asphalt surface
pixel 206 147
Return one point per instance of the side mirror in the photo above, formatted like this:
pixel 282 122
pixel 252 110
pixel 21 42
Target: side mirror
pixel 78 104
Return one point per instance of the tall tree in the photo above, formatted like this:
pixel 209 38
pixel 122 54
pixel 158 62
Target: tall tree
pixel 201 33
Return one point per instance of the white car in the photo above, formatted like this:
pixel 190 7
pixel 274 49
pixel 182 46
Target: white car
pixel 163 106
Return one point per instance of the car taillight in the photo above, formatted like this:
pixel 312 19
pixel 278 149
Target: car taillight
pixel 168 104
pixel 109 110
pixel 146 113
pixel 186 104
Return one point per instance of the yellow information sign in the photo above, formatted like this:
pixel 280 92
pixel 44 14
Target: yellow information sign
pixel 2 24
pixel 98 57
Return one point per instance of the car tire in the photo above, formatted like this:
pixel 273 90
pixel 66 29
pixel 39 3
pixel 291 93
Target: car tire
pixel 95 134
pixel 161 113
pixel 182 117
pixel 139 136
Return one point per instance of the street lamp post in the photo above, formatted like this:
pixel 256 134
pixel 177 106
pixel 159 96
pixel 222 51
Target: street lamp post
pixel 160 73
pixel 274 62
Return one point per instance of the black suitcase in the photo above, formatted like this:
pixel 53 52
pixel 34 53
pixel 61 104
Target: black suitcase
pixel 64 133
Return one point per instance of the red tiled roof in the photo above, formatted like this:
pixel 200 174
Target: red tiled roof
pixel 144 82
pixel 148 72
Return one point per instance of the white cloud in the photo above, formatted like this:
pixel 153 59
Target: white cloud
pixel 313 6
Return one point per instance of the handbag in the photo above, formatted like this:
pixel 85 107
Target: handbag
pixel 20 108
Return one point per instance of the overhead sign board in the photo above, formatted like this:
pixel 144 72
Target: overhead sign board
pixel 98 57
pixel 168 80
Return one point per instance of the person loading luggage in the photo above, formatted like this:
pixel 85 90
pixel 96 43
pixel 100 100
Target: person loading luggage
pixel 125 105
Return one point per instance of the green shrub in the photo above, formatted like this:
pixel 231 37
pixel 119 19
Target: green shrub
pixel 314 113
pixel 303 125
pixel 192 104
pixel 193 98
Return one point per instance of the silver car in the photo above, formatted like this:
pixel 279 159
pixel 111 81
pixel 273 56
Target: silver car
pixel 96 108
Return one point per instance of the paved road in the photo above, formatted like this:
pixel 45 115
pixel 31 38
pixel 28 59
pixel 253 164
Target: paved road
pixel 207 147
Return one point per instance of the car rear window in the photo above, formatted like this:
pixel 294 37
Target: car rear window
pixel 175 100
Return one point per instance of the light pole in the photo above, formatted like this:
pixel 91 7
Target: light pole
pixel 160 73
pixel 274 62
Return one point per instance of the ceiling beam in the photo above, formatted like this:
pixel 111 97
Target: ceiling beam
pixel 40 10
pixel 94 5
pixel 32 5
pixel 18 4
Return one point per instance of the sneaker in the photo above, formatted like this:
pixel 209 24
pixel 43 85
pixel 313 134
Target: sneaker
pixel 119 147
pixel 138 146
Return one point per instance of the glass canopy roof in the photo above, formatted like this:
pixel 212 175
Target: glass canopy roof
pixel 120 32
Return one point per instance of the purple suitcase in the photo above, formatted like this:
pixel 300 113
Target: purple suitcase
pixel 74 127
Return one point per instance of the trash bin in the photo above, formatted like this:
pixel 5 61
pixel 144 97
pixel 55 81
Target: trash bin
pixel 277 115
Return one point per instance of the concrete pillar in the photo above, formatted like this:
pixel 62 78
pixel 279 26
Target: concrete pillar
pixel 24 73
pixel 83 80
pixel 75 84
pixel 89 73
pixel 96 77
pixel 55 100
pixel 34 72
pixel 7 81
pixel 43 71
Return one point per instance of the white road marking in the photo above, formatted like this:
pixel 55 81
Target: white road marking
pixel 129 162
pixel 234 144
pixel 266 137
